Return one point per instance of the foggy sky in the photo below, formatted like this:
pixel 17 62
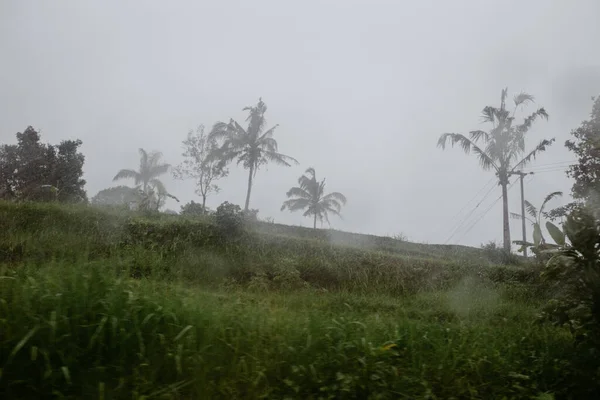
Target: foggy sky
pixel 361 90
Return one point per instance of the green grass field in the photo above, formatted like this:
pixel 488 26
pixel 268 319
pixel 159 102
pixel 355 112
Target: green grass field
pixel 104 305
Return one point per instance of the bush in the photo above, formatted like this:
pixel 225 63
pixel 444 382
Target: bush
pixel 193 209
pixel 230 219
pixel 497 254
pixel 575 272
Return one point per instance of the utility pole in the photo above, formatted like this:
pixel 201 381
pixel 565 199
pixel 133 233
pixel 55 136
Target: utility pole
pixel 524 226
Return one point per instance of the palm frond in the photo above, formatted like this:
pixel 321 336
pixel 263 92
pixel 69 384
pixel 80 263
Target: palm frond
pixel 528 122
pixel 337 196
pixel 522 98
pixel 280 159
pixel 541 147
pixel 268 134
pixel 295 204
pixel 468 145
pixel 531 209
pixel 143 158
pixel 173 197
pixel 548 198
pixel 488 114
pixel 128 174
pixel 219 130
pixel 299 193
pixel 476 135
pixel 332 205
pixel 159 186
pixel 308 184
pixel 157 170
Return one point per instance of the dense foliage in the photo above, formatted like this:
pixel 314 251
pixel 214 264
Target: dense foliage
pixel 32 170
pixel 118 196
pixel 586 146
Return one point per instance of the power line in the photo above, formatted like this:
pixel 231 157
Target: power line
pixel 484 213
pixel 555 163
pixel 456 224
pixel 464 220
pixel 550 170
pixel 474 197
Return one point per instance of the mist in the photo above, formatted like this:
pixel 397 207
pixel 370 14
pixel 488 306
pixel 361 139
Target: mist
pixel 361 91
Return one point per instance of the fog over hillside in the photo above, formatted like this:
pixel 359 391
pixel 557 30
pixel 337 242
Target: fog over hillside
pixel 361 91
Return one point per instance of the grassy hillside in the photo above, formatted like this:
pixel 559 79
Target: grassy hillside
pixel 97 304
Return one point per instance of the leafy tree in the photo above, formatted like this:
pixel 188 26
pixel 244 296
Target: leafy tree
pixel 586 146
pixel 199 165
pixel 32 170
pixel 252 147
pixel 118 196
pixel 502 149
pixel 310 196
pixel 146 179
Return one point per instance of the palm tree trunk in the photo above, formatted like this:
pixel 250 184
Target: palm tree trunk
pixel 203 203
pixel 506 226
pixel 249 187
pixel 315 222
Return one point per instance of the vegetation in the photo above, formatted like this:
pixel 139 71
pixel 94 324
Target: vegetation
pixel 193 209
pixel 103 304
pixel 586 146
pixel 502 149
pixel 252 147
pixel 34 171
pixel 117 302
pixel 152 190
pixel 575 270
pixel 118 196
pixel 536 223
pixel 198 164
pixel 310 196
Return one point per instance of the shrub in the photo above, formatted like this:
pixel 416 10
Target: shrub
pixel 230 219
pixel 575 272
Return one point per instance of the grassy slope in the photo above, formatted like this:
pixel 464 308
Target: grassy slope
pixel 214 319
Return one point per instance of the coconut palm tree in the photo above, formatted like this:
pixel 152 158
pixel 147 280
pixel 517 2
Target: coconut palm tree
pixel 146 179
pixel 252 147
pixel 502 149
pixel 310 196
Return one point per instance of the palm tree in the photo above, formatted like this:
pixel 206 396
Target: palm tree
pixel 150 169
pixel 252 147
pixel 310 196
pixel 503 147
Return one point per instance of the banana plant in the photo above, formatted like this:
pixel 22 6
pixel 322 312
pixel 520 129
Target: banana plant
pixel 539 243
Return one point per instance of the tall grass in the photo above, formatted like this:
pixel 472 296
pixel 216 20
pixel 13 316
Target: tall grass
pixel 100 305
pixel 85 332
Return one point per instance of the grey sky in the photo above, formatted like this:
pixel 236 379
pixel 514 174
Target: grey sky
pixel 361 90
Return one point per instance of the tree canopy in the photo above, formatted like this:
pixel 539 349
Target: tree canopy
pixel 253 147
pixel 32 170
pixel 199 165
pixel 586 146
pixel 310 196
